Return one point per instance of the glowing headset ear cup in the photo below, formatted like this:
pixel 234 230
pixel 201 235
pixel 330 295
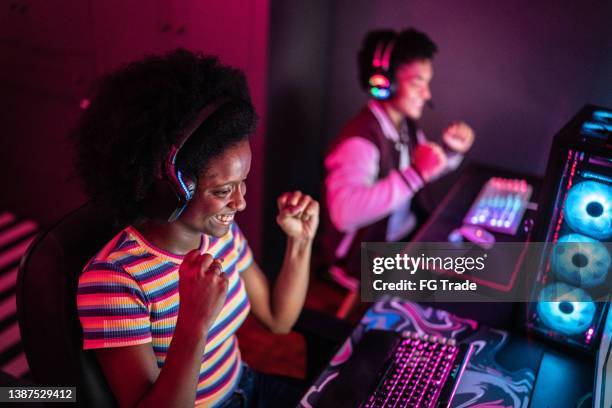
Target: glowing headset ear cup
pixel 190 184
pixel 380 93
pixel 384 93
pixel 379 81
pixel 169 182
pixel 187 186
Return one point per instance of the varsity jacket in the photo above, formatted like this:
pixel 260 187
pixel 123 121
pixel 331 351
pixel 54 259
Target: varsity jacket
pixel 369 185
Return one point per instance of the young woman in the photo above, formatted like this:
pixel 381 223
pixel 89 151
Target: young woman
pixel 160 303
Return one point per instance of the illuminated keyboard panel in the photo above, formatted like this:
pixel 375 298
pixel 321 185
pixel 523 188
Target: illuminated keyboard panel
pixel 500 205
pixel 418 371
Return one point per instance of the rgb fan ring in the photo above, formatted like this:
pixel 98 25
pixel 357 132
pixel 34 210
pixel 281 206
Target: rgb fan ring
pixel 580 260
pixel 588 209
pixel 565 309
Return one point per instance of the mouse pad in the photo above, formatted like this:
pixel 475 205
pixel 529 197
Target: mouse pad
pixel 487 381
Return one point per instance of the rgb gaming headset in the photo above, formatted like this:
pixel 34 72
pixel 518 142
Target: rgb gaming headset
pixel 382 85
pixel 172 190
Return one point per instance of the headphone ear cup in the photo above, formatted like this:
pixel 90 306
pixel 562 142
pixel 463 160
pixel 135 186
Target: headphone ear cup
pixel 191 186
pixel 171 186
pixel 187 186
pixel 185 194
pixel 380 85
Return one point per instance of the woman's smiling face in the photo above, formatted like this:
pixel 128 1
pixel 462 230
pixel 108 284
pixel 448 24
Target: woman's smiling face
pixel 220 191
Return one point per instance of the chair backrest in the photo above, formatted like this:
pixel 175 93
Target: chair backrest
pixel 46 304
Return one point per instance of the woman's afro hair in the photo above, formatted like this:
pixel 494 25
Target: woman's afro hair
pixel 136 114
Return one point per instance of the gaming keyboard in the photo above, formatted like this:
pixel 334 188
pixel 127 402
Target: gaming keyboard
pixel 389 369
pixel 500 205
pixel 420 366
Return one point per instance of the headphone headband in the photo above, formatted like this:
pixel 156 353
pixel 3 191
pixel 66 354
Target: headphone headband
pixel 382 54
pixel 376 59
pixel 386 59
pixel 186 133
pixel 206 111
pixel 170 163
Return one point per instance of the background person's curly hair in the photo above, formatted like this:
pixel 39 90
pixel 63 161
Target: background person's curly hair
pixel 410 45
pixel 137 112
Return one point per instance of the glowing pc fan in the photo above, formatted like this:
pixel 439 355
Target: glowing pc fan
pixel 565 309
pixel 580 260
pixel 588 209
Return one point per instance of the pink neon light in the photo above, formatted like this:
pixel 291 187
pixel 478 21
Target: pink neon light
pixel 570 156
pixel 376 61
pixel 569 185
pixel 387 55
pixel 589 335
pixel 343 354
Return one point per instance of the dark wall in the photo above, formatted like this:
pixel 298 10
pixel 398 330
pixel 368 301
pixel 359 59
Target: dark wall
pixel 298 91
pixel 51 52
pixel 516 71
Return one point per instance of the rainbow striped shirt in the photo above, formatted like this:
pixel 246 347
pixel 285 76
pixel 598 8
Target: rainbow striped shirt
pixel 128 295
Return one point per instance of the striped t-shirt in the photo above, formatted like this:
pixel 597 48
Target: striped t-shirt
pixel 128 295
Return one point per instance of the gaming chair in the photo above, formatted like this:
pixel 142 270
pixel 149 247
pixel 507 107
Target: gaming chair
pixel 47 282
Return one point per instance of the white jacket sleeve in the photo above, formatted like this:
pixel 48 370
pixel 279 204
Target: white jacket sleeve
pixel 355 197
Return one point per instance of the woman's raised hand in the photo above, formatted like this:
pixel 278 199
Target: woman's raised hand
pixel 298 215
pixel 202 289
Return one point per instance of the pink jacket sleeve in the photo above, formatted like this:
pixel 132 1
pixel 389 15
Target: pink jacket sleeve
pixel 354 195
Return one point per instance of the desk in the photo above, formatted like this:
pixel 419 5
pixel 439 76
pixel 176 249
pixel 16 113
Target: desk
pixel 449 214
pixel 501 373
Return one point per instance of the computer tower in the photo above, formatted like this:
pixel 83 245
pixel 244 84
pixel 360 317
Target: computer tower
pixel 573 279
pixel 602 393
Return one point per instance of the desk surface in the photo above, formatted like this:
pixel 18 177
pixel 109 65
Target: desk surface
pixel 449 214
pixel 501 373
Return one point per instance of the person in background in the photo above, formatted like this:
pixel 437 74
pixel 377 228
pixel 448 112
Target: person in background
pixel 381 158
pixel 161 302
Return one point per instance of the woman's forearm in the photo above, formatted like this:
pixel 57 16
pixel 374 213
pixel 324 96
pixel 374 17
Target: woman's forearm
pixel 177 382
pixel 291 285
